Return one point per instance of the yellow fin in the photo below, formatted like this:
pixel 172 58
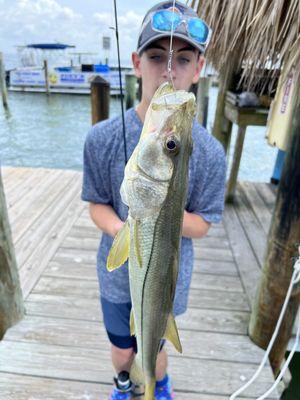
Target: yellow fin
pixel 119 251
pixel 171 333
pixel 132 326
pixel 136 243
pixel 150 390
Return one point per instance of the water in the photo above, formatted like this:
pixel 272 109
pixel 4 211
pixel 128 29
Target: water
pixel 49 131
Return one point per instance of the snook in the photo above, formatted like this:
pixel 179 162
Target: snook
pixel 154 188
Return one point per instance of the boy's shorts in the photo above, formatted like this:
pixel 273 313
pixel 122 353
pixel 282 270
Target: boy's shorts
pixel 116 318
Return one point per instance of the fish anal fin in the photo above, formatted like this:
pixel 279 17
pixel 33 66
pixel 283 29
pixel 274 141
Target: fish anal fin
pixel 132 325
pixel 171 333
pixel 119 251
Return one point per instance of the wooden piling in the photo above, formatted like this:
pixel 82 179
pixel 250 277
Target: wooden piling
pixel 131 81
pixel 221 129
pixel 283 242
pixel 202 100
pixel 100 97
pixel 11 300
pixel 237 155
pixel 46 77
pixel 3 88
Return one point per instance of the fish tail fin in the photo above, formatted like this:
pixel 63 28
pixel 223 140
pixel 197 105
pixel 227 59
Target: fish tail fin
pixel 150 390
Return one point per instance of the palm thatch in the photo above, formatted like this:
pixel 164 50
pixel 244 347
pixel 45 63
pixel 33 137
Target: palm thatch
pixel 258 34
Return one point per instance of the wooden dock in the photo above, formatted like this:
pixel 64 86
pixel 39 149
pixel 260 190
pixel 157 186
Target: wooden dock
pixel 59 351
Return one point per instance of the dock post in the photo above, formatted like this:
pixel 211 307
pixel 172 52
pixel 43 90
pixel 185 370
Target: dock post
pixel 46 77
pixel 232 180
pixel 100 96
pixel 131 81
pixel 221 128
pixel 3 88
pixel 202 100
pixel 283 242
pixel 11 299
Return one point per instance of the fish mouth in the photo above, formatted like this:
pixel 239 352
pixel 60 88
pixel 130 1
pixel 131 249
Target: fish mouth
pixel 149 177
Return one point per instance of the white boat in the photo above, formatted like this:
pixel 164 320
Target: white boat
pixel 62 74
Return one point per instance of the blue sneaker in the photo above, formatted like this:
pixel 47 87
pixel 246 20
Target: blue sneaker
pixel 117 394
pixel 164 390
pixel 122 389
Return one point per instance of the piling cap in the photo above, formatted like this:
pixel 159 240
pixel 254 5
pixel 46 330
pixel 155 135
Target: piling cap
pixel 148 34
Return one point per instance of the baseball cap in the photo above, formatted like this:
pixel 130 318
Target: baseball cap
pixel 186 27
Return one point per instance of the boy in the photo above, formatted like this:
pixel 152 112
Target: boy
pixel 104 165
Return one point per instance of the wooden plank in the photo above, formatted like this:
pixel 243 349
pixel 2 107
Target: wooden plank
pixel 30 221
pixel 211 242
pixel 216 283
pixel 256 236
pixel 235 322
pixel 93 365
pixel 266 194
pixel 219 300
pixel 35 222
pixel 37 262
pixel 217 267
pixel 88 271
pixel 76 256
pixel 245 259
pixel 73 306
pixel 22 387
pixel 14 177
pixel 204 345
pixel 213 254
pixel 25 184
pixel 257 205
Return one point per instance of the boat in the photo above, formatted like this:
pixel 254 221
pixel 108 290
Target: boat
pixel 50 67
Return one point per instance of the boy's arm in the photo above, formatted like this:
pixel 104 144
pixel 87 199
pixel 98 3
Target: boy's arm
pixel 194 226
pixel 105 218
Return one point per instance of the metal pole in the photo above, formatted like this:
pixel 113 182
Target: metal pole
pixel 46 76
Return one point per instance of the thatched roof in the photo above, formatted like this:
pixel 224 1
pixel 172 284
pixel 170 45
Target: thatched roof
pixel 259 34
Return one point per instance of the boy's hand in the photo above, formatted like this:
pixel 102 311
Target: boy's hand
pixel 194 226
pixel 105 218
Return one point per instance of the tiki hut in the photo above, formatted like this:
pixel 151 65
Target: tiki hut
pixel 251 40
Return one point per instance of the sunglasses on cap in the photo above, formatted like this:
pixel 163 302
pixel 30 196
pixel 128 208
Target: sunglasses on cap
pixel 164 20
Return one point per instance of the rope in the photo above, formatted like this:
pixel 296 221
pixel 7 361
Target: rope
pixel 294 280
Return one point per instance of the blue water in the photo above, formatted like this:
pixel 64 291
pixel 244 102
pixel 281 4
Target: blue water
pixel 49 131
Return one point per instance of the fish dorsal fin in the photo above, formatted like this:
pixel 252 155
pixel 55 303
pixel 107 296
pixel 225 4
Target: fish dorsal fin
pixel 119 251
pixel 132 325
pixel 171 333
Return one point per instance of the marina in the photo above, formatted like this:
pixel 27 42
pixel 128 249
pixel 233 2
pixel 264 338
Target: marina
pixel 245 268
pixel 60 349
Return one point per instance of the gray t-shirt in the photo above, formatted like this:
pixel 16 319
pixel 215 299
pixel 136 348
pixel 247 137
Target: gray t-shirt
pixel 103 172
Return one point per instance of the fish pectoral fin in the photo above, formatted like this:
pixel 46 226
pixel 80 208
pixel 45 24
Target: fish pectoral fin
pixel 171 333
pixel 132 325
pixel 119 251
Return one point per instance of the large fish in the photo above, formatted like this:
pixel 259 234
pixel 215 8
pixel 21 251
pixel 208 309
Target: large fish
pixel 155 188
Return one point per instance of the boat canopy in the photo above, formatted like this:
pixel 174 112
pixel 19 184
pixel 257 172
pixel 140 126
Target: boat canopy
pixel 50 46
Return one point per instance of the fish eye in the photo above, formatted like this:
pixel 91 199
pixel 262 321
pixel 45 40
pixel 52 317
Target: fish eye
pixel 172 145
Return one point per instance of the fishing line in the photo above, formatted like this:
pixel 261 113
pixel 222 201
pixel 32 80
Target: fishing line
pixel 120 81
pixel 171 48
